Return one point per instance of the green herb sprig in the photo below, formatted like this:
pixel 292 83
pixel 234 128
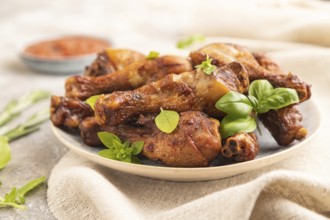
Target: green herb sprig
pixel 30 125
pixel 187 42
pixel 207 66
pixel 152 55
pixel 92 100
pixel 15 107
pixel 167 120
pixel 242 110
pixel 5 153
pixel 16 197
pixel 118 150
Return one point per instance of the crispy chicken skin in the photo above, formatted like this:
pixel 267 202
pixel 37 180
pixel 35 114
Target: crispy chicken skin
pixel 284 125
pixel 133 76
pixel 88 131
pixel 194 143
pixel 225 53
pixel 171 82
pixel 68 112
pixel 240 147
pixel 267 63
pixel 187 91
pixel 111 60
pixel 260 66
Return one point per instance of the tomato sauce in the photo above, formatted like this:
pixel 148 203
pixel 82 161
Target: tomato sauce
pixel 66 47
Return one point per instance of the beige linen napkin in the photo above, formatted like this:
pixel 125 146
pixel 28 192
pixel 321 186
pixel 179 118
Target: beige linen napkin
pixel 79 189
pixel 297 187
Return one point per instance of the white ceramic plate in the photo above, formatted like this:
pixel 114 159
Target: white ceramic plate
pixel 269 153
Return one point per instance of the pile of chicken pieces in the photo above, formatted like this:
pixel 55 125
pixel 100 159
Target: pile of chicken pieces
pixel 135 88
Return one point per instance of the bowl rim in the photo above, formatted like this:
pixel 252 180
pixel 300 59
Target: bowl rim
pixel 23 45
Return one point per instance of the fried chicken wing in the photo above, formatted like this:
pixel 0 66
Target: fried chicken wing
pixel 284 125
pixel 133 76
pixel 195 142
pixel 88 131
pixel 240 147
pixel 111 60
pixel 68 112
pixel 187 91
pixel 261 67
pixel 225 53
pixel 267 63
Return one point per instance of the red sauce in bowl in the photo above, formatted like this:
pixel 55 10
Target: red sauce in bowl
pixel 66 47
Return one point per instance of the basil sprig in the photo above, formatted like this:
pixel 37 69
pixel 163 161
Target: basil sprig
pixel 16 197
pixel 242 110
pixel 152 55
pixel 118 150
pixel 187 42
pixel 207 66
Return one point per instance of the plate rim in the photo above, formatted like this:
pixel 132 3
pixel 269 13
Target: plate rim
pixel 176 172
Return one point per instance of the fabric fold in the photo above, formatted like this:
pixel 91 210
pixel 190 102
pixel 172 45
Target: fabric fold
pixel 87 191
pixel 81 193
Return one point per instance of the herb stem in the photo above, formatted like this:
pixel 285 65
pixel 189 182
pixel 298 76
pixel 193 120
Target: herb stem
pixel 29 126
pixel 15 107
pixel 12 204
pixel 19 132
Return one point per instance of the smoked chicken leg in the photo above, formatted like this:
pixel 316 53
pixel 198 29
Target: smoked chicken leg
pixel 133 76
pixel 111 60
pixel 194 143
pixel 240 147
pixel 261 67
pixel 225 53
pixel 187 91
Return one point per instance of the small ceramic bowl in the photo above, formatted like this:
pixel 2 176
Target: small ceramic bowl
pixel 66 64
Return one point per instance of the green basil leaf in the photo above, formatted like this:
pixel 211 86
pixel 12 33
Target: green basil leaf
pixel 137 147
pixel 152 55
pixel 235 104
pixel 92 100
pixel 5 153
pixel 167 120
pixel 129 150
pixel 231 125
pixel 117 145
pixel 254 102
pixel 20 200
pixel 107 154
pixel 279 98
pixel 136 160
pixel 108 138
pixel 118 150
pixel 11 197
pixel 206 66
pixel 127 144
pixel 126 159
pixel 260 89
pixel 208 70
pixel 186 42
